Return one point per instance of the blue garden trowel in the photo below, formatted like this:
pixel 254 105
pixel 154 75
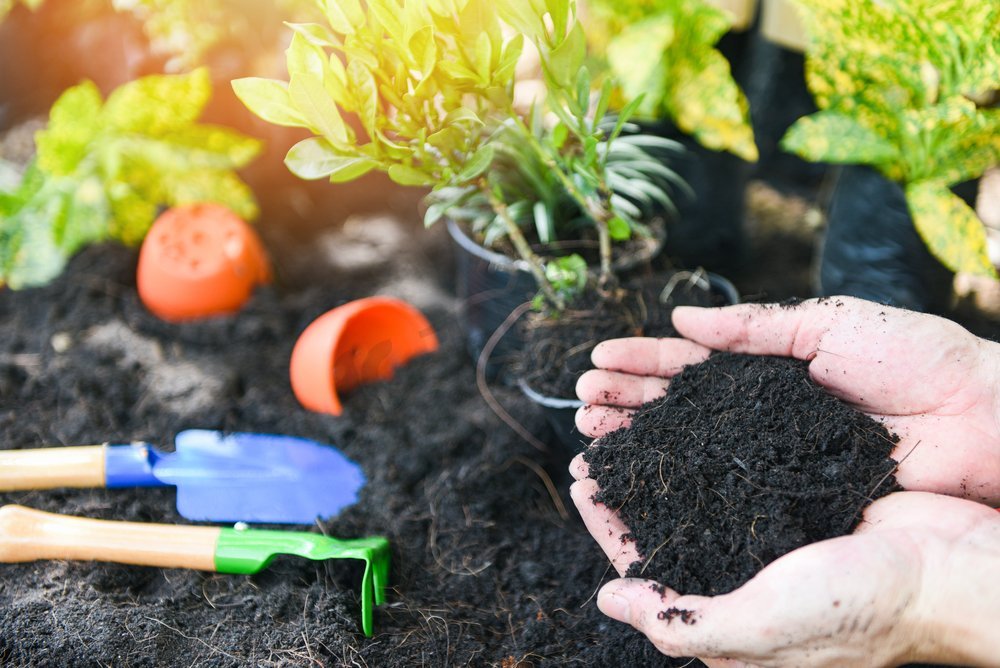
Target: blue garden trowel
pixel 237 477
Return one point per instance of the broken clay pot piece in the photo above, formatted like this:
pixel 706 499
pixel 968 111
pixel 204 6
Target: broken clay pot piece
pixel 359 342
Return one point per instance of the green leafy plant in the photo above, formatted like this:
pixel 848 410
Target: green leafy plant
pixel 424 91
pixel 665 51
pixel 103 170
pixel 909 87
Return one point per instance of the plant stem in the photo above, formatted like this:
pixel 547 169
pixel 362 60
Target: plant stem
pixel 595 211
pixel 604 245
pixel 535 263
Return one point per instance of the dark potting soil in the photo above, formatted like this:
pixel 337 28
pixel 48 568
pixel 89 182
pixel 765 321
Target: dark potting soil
pixel 744 460
pixel 490 566
pixel 557 350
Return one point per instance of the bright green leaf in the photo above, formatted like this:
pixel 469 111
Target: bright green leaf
pixel 269 99
pixel 559 135
pixel 405 175
pixel 462 115
pixel 423 50
pixel 477 164
pixel 365 93
pixel 519 15
pixel 619 229
pixel 345 16
pixel 315 158
pixel 566 60
pixel 484 57
pixel 303 57
pixel 316 33
pixel 635 54
pixel 512 51
pixel 309 96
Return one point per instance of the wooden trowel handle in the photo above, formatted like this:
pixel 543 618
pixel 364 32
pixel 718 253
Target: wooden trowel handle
pixel 29 535
pixel 49 468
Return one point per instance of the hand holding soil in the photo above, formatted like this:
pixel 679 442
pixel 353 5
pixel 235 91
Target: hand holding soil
pixel 925 378
pixel 917 579
pixel 913 583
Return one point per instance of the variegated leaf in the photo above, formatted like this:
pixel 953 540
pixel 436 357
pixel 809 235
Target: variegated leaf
pixel 708 104
pixel 950 228
pixel 827 136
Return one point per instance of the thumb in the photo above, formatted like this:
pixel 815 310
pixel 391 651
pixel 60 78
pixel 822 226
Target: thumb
pixel 675 624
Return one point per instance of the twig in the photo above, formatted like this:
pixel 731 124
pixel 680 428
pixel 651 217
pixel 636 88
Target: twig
pixel 184 635
pixel 606 569
pixel 892 471
pixel 649 560
pixel 535 263
pixel 547 481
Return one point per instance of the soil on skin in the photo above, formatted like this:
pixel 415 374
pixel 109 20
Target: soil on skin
pixel 557 350
pixel 744 460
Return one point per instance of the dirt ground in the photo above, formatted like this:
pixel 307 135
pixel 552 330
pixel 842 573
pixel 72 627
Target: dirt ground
pixel 490 563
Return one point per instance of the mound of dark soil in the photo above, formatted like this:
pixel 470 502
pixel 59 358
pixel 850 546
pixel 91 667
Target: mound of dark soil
pixel 744 460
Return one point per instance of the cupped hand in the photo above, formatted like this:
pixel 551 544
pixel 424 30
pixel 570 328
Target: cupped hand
pixel 902 588
pixel 926 378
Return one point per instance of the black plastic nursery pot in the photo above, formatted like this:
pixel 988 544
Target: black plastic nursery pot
pixel 490 285
pixel 560 412
pixel 872 250
pixel 708 230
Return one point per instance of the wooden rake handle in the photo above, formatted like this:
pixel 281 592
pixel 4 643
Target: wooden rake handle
pixel 30 535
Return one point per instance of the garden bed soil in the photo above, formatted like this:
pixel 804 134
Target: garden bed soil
pixel 557 350
pixel 490 563
pixel 745 459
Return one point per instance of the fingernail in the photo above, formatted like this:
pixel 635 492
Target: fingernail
pixel 613 603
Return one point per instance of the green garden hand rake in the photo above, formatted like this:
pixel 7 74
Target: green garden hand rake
pixel 30 535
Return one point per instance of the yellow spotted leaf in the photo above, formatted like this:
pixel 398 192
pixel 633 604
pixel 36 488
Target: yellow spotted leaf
pixel 157 104
pixel 950 228
pixel 665 51
pixel 827 136
pixel 74 122
pixel 708 104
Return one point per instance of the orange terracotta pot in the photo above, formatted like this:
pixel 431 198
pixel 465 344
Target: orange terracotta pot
pixel 359 342
pixel 200 260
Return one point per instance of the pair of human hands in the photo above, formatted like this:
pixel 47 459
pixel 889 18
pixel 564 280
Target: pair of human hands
pixel 909 584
